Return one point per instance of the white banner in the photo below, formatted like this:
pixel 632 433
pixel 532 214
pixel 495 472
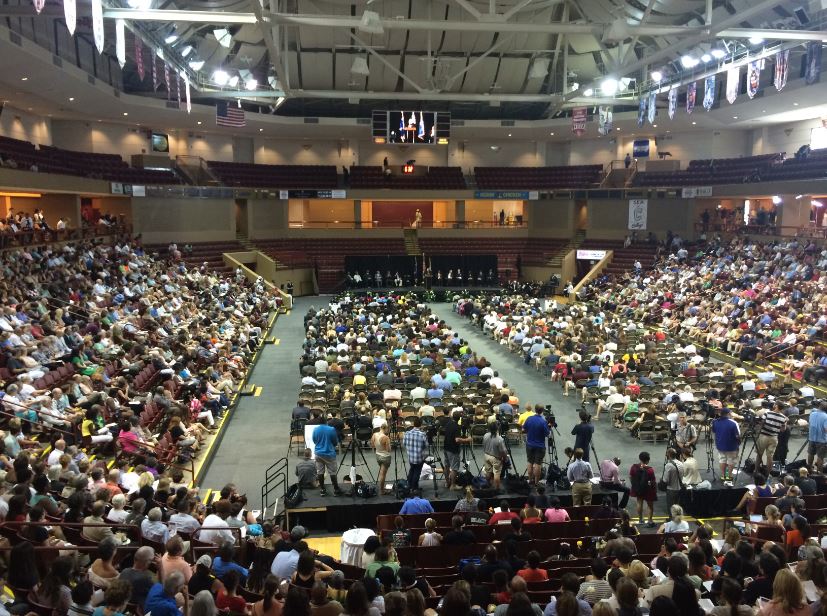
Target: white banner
pixel 70 13
pixel 97 24
pixel 120 41
pixel 638 209
pixel 591 255
pixel 688 192
pixel 187 85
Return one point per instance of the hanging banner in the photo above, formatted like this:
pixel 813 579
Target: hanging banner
pixel 640 148
pixel 154 69
pixel 178 89
pixel 753 78
pixel 782 68
pixel 187 90
pixel 641 111
pixel 38 5
pixel 166 80
pixel 813 73
pixel 709 92
pixel 604 120
pixel 579 115
pixel 120 41
pixel 691 91
pixel 673 102
pixel 139 57
pixel 70 14
pixel 653 106
pixel 733 82
pixel 638 209
pixel 97 24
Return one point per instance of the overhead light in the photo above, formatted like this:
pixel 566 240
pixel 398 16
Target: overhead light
pixel 694 123
pixel 220 77
pixel 734 117
pixel 795 104
pixel 171 39
pixel 223 36
pixel 609 86
pixel 755 40
pixel 139 4
pixel 196 65
pixel 575 86
pixel 588 92
pixel 798 196
pixel 689 61
pixel 233 81
pixel 552 134
pixel 718 53
pixel 24 79
pixel 657 76
pixel 371 23
pixel 125 113
pixel 199 122
pixel 816 203
pixel 654 125
pixel 706 57
pixel 509 134
pixel 539 68
pixel 261 130
pixel 251 84
pixel 776 199
pixel 186 51
pixel 359 66
pixel 71 98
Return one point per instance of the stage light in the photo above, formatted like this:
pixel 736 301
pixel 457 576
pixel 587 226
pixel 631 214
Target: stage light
pixel 251 84
pixel 196 65
pixel 220 77
pixel 755 40
pixel 609 86
pixel 718 53
pixel 706 57
pixel 689 62
pixel 657 76
pixel 588 92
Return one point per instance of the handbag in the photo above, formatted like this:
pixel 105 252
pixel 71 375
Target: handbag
pixel 663 486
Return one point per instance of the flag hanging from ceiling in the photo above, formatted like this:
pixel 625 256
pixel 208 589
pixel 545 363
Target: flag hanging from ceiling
pixel 653 106
pixel 709 92
pixel 38 5
pixel 782 68
pixel 402 126
pixel 673 102
pixel 733 82
pixel 120 41
pixel 70 14
pixel 813 73
pixel 604 120
pixel 421 132
pixel 152 59
pixel 691 91
pixel 187 91
pixel 578 120
pixel 166 79
pixel 97 24
pixel 178 89
pixel 227 114
pixel 139 57
pixel 641 111
pixel 753 78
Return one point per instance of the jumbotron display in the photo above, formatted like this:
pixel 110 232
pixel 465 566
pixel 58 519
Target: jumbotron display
pixel 411 127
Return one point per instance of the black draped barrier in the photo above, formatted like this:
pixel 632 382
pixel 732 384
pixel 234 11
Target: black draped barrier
pixel 466 270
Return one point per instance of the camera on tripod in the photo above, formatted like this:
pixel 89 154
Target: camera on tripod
pixel 550 418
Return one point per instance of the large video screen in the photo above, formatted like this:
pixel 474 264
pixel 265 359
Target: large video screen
pixel 411 127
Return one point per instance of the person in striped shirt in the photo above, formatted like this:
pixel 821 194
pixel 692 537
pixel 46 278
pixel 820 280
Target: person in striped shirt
pixel 773 422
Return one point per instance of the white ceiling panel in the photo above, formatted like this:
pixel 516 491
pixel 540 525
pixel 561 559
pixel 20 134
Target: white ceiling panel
pixel 317 70
pixel 481 76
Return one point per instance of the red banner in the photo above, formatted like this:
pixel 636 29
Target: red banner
pixel 579 116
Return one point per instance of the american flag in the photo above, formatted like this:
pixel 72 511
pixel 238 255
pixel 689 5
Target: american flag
pixel 227 114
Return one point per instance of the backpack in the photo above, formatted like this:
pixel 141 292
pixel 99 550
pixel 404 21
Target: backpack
pixel 642 481
pixel 553 474
pixel 294 496
pixel 365 490
pixel 401 488
pixel 480 483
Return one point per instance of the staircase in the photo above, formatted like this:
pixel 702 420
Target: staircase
pixel 412 243
pixel 195 170
pixel 242 239
pixel 574 243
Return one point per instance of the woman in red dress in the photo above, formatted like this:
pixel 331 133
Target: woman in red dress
pixel 643 486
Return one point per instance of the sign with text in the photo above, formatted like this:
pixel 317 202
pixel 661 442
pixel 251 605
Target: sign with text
pixel 312 194
pixel 507 195
pixel 591 255
pixel 687 192
pixel 638 209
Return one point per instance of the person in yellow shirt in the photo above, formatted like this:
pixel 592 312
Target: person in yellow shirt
pixel 359 379
pixel 528 412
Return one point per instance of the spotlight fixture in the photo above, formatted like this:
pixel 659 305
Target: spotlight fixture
pixel 776 199
pixel 609 86
pixel 718 53
pixel 220 77
pixel 588 92
pixel 689 62
pixel 706 58
pixel 657 76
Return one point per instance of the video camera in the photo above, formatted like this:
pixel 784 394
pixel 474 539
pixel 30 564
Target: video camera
pixel 550 418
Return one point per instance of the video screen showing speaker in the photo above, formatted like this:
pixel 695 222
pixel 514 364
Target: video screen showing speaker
pixel 411 127
pixel 160 142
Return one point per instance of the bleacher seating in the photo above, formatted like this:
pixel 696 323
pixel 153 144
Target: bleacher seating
pixel 524 178
pixel 209 253
pixel 812 167
pixel 49 159
pixel 436 178
pixel 274 176
pixel 715 171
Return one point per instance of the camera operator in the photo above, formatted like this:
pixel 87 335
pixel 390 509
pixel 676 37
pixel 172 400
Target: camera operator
pixel 610 480
pixel 773 422
pixel 583 434
pixel 416 446
pixel 493 446
pixel 727 442
pixel 686 434
pixel 454 436
pixel 536 429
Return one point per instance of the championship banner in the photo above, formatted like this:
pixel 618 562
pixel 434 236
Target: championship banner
pixel 120 41
pixel 166 79
pixel 813 73
pixel 691 91
pixel 653 107
pixel 709 92
pixel 139 57
pixel 579 115
pixel 638 209
pixel 753 78
pixel 733 81
pixel 187 91
pixel 178 89
pixel 604 120
pixel 154 70
pixel 97 24
pixel 782 69
pixel 641 111
pixel 38 5
pixel 673 102
pixel 70 14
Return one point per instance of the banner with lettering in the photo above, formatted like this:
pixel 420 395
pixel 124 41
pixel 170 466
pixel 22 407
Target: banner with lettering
pixel 653 107
pixel 782 69
pixel 709 92
pixel 641 111
pixel 691 92
pixel 604 120
pixel 139 57
pixel 813 73
pixel 579 115
pixel 673 102
pixel 97 24
pixel 638 209
pixel 733 82
pixel 753 78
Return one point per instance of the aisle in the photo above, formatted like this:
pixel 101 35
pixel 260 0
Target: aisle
pixel 257 433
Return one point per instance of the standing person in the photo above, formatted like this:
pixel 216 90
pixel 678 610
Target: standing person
pixel 452 444
pixel 772 424
pixel 643 486
pixel 610 480
pixel 416 446
pixel 580 474
pixel 818 438
pixel 727 442
pixel 382 447
pixel 673 475
pixel 325 440
pixel 686 434
pixel 537 430
pixel 583 434
pixel 493 446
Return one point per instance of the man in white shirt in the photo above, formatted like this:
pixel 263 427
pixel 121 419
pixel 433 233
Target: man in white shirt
pixel 392 394
pixel 613 398
pixel 58 450
pixel 182 521
pixel 748 385
pixel 215 529
pixel 418 393
pixel 807 392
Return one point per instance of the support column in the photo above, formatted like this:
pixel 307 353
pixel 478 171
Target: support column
pixel 357 213
pixel 459 213
pixel 794 212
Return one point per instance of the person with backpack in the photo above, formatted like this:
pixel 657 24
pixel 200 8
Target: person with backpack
pixel 644 486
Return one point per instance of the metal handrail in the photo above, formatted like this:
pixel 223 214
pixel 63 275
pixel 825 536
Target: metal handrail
pixel 275 477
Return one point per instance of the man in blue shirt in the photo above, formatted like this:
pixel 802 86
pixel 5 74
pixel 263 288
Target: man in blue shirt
pixel 416 446
pixel 416 504
pixel 325 440
pixel 504 407
pixel 818 437
pixel 727 442
pixel 161 598
pixel 536 430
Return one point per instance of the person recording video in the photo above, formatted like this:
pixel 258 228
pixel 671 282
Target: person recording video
pixel 536 429
pixel 452 446
pixel 416 446
pixel 583 434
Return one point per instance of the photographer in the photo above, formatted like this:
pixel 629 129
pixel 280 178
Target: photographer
pixel 686 435
pixel 727 442
pixel 494 448
pixel 583 434
pixel 454 438
pixel 536 429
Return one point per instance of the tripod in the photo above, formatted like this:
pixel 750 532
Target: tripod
pixel 433 451
pixel 396 447
pixel 710 453
pixel 751 435
pixel 352 447
pixel 465 449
